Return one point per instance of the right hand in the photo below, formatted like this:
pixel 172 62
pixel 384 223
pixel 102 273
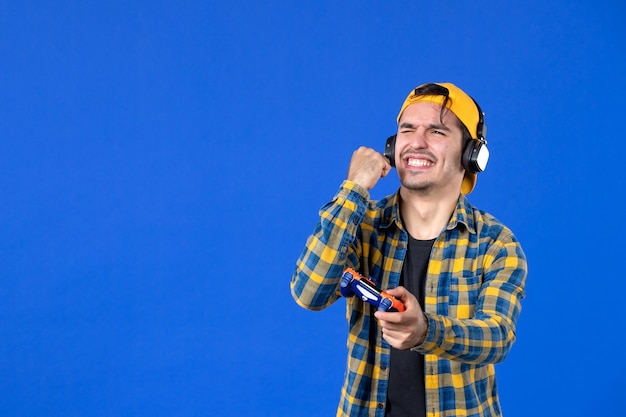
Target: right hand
pixel 367 166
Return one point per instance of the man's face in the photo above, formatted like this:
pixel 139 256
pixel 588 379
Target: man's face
pixel 428 149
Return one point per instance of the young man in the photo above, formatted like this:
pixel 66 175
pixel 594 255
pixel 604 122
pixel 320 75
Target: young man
pixel 459 272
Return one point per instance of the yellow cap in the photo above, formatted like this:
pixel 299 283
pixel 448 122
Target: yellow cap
pixel 463 107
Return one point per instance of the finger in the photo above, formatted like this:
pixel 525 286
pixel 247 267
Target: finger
pixel 366 167
pixel 401 294
pixel 388 318
pixel 386 168
pixel 398 292
pixel 406 297
pixel 395 339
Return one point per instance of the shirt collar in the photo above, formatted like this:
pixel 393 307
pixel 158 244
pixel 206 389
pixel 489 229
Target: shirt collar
pixel 463 214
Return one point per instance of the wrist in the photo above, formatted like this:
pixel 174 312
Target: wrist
pixel 422 331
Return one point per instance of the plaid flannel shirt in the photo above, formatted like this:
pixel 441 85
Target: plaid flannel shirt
pixel 473 292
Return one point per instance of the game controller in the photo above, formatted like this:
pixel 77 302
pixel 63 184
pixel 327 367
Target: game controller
pixel 353 283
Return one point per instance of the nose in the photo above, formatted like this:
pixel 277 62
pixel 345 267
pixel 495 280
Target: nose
pixel 417 139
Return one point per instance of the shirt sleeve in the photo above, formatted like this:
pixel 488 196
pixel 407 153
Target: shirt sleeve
pixel 488 336
pixel 330 249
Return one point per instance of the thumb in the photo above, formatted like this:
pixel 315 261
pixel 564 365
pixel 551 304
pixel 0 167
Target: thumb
pixel 386 169
pixel 398 292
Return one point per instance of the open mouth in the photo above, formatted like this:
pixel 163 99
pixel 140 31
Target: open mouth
pixel 419 162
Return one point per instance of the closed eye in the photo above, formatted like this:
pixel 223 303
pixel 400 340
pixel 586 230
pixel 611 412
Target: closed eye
pixel 440 129
pixel 406 128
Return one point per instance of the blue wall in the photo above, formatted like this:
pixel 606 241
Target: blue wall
pixel 161 164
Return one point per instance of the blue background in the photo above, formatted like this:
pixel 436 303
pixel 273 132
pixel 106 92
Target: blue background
pixel 162 163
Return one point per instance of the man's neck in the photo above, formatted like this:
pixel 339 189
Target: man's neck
pixel 425 216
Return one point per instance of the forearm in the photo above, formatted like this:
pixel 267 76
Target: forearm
pixel 331 248
pixel 468 340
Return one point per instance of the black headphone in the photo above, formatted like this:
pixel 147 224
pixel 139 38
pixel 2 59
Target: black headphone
pixel 475 153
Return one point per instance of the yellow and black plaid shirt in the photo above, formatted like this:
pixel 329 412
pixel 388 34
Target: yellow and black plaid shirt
pixel 474 287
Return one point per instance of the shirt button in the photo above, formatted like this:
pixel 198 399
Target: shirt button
pixel 380 406
pixel 383 367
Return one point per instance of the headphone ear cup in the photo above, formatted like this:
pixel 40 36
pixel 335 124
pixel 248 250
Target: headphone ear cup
pixel 475 156
pixel 390 150
pixel 466 156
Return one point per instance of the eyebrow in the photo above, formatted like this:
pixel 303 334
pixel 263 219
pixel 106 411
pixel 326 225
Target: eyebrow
pixel 437 126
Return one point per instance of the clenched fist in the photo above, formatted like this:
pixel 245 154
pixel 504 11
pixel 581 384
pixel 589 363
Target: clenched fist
pixel 367 166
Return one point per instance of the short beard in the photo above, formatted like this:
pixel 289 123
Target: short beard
pixel 422 188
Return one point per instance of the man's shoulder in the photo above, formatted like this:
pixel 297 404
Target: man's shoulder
pixel 482 221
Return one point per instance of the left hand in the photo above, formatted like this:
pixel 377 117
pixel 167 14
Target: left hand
pixel 407 329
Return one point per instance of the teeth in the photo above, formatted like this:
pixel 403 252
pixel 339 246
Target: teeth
pixel 418 163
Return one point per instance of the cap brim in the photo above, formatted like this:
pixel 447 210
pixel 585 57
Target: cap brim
pixel 469 182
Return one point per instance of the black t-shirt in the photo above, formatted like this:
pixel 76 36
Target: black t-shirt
pixel 406 394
